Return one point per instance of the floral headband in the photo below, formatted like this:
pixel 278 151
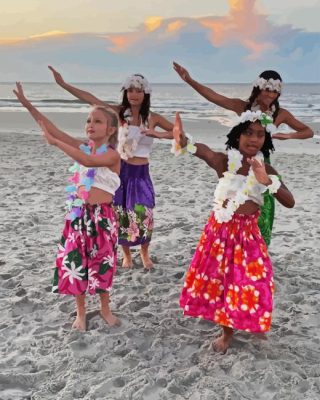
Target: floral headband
pixel 138 82
pixel 253 116
pixel 271 84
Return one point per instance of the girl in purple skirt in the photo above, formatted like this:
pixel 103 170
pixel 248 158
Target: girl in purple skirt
pixel 87 255
pixel 230 278
pixel 135 199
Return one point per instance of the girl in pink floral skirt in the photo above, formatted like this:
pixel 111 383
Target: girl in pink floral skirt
pixel 230 279
pixel 86 260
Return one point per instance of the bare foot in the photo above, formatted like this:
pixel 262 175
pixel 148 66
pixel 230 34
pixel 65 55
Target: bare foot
pixel 110 319
pixel 221 344
pixel 80 323
pixel 127 262
pixel 146 260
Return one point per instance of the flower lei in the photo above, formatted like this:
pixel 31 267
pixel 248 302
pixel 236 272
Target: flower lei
pixel 75 200
pixel 271 84
pixel 264 118
pixel 224 213
pixel 125 147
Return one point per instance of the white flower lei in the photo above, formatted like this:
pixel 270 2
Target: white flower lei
pixel 271 84
pixel 126 147
pixel 137 82
pixel 224 213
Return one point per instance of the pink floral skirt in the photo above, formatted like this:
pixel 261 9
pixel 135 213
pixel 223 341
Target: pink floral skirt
pixel 86 259
pixel 230 278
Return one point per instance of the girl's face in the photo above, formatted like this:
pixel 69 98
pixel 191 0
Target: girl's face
pixel 97 128
pixel 135 96
pixel 266 97
pixel 252 139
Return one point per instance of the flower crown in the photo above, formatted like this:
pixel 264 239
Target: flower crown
pixel 253 116
pixel 271 84
pixel 138 82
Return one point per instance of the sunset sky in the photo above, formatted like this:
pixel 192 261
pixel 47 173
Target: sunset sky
pixel 103 41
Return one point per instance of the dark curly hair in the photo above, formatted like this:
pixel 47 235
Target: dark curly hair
pixel 234 137
pixel 144 109
pixel 269 74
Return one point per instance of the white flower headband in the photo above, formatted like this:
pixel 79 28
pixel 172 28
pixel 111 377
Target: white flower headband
pixel 138 82
pixel 271 84
pixel 252 116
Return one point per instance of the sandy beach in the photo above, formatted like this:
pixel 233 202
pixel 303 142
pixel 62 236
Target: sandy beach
pixel 157 353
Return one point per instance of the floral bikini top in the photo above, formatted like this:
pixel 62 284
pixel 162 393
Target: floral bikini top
pixel 236 188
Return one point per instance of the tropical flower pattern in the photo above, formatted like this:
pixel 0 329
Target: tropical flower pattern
pixel 230 278
pixel 136 225
pixel 86 259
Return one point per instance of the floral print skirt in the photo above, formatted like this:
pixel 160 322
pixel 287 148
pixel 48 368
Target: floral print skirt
pixel 134 202
pixel 230 278
pixel 86 259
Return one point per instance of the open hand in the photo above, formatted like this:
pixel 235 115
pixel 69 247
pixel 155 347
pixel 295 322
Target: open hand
pixel 18 91
pixel 182 72
pixel 259 171
pixel 57 76
pixel 178 133
pixel 46 134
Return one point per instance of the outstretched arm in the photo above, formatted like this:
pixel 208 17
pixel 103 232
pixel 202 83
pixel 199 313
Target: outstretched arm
pixel 283 194
pixel 80 94
pixel 233 104
pixel 302 131
pixel 212 158
pixel 108 159
pixel 38 116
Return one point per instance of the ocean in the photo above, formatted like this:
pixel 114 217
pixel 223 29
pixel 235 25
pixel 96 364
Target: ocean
pixel 303 100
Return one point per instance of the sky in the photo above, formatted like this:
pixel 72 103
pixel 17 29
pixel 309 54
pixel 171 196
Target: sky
pixel 104 41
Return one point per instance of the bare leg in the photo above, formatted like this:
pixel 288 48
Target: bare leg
pixel 80 321
pixel 127 259
pixel 221 344
pixel 106 312
pixel 144 253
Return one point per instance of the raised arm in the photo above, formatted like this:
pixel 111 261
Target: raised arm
pixel 109 159
pixel 80 94
pixel 233 104
pixel 39 117
pixel 214 159
pixel 301 131
pixel 262 172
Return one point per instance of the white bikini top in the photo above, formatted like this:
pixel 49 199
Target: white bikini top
pixel 235 183
pixel 132 143
pixel 104 179
pixel 234 189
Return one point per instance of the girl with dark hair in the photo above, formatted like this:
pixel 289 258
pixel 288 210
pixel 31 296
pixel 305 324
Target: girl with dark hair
pixel 135 199
pixel 230 278
pixel 265 97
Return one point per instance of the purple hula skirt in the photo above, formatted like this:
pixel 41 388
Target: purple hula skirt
pixel 134 202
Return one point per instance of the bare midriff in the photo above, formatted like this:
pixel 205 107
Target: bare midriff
pixel 137 161
pixel 97 196
pixel 249 207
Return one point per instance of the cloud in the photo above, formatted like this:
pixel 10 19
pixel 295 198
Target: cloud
pixel 215 48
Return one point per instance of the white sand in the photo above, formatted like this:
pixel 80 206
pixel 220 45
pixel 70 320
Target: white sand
pixel 156 353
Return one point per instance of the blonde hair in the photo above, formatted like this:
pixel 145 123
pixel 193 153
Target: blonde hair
pixel 113 121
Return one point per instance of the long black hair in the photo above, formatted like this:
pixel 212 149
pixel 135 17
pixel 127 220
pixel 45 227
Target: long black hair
pixel 234 138
pixel 144 109
pixel 269 74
